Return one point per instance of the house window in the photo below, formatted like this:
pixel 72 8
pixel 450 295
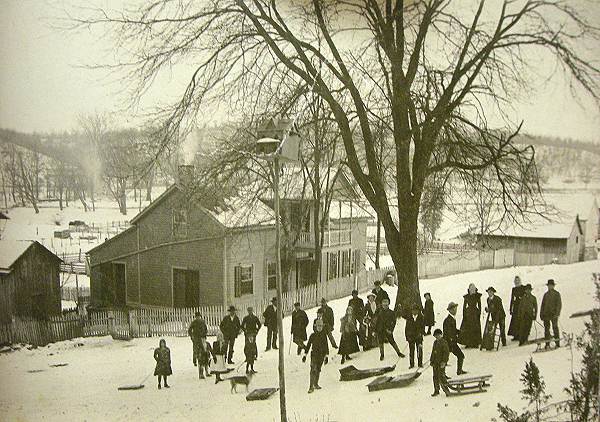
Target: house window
pixel 180 223
pixel 271 275
pixel 345 263
pixel 243 282
pixel 333 265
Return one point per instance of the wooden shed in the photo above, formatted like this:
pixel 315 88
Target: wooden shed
pixel 29 280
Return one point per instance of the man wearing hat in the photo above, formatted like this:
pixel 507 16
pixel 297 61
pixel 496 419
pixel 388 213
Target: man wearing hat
pixel 515 299
pixel 451 337
pixel 250 324
pixel 328 322
pixel 369 322
pixel 379 293
pixel 385 322
pixel 197 332
pixel 270 316
pixel 549 313
pixel 230 327
pixel 497 314
pixel 299 324
pixel 527 313
pixel 414 332
pixel 358 309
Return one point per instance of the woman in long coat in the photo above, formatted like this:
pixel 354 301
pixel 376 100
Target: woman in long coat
pixel 349 340
pixel 514 329
pixel 470 328
pixel 369 322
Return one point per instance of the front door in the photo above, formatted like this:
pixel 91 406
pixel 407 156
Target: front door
pixel 186 288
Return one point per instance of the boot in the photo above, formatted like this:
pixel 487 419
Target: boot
pixel 381 357
pixel 459 370
pixel 343 359
pixel 435 393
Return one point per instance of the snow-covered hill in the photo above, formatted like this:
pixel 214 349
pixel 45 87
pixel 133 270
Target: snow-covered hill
pixel 86 389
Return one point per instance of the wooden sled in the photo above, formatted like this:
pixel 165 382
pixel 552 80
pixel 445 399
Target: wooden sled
pixel 351 373
pixel 58 365
pixel 261 394
pixel 131 387
pixel 386 382
pixel 540 345
pixel 461 386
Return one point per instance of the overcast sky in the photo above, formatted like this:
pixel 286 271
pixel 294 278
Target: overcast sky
pixel 44 88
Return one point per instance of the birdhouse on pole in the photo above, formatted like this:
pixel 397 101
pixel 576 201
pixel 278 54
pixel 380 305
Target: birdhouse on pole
pixel 279 137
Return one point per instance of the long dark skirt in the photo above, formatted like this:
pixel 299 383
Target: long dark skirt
pixel 515 325
pixel 470 329
pixel 348 344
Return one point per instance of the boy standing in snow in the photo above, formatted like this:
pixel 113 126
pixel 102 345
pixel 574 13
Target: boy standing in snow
pixel 438 360
pixel 385 322
pixel 320 349
pixel 162 356
pixel 428 315
pixel 549 313
pixel 451 337
pixel 197 332
pixel 414 331
pixel 251 353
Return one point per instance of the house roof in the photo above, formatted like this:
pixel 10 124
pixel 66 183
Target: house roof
pixel 540 228
pixel 12 250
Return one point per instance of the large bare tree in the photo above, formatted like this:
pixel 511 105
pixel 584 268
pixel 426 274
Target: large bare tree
pixel 439 68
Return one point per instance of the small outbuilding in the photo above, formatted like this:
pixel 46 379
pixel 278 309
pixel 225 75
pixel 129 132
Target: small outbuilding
pixel 29 280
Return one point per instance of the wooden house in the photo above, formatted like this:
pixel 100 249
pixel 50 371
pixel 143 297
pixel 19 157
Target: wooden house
pixel 540 242
pixel 29 280
pixel 181 253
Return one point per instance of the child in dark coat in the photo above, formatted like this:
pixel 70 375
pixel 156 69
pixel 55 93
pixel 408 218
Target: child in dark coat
pixel 320 349
pixel 440 353
pixel 251 353
pixel 162 356
pixel 428 314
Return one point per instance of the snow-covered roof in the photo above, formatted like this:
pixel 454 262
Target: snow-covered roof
pixel 240 212
pixel 10 252
pixel 538 227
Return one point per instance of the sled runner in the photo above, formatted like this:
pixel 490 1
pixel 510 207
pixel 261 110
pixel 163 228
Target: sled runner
pixel 351 373
pixel 261 394
pixel 131 387
pixel 56 365
pixel 540 345
pixel 460 386
pixel 490 331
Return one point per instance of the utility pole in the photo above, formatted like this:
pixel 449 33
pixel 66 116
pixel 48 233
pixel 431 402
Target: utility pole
pixel 282 404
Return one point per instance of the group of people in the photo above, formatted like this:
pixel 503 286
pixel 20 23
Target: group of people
pixel 523 310
pixel 369 325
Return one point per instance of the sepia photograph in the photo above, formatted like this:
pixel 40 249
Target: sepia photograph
pixel 300 210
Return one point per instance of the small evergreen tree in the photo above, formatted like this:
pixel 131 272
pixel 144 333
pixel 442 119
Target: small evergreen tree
pixel 534 392
pixel 583 387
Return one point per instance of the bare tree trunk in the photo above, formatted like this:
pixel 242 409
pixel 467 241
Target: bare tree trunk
pixel 122 198
pixel 378 243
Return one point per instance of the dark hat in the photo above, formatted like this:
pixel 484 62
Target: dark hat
pixel 437 331
pixel 231 308
pixel 371 295
pixel 550 283
pixel 197 314
pixel 297 304
pixel 274 300
pixel 452 305
pixel 528 287
pixel 323 300
pixel 491 289
pixel 354 292
pixel 377 283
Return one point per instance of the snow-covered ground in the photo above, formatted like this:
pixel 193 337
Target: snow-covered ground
pixel 86 389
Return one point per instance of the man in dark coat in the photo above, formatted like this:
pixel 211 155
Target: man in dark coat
pixel 428 314
pixel 385 322
pixel 328 322
pixel 414 331
pixel 320 349
pixel 358 311
pixel 527 313
pixel 451 337
pixel 250 324
pixel 270 315
pixel 299 324
pixel 549 313
pixel 379 293
pixel 197 332
pixel 438 360
pixel 369 322
pixel 496 311
pixel 230 327
pixel 515 298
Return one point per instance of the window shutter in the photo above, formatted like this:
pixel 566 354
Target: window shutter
pixel 237 277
